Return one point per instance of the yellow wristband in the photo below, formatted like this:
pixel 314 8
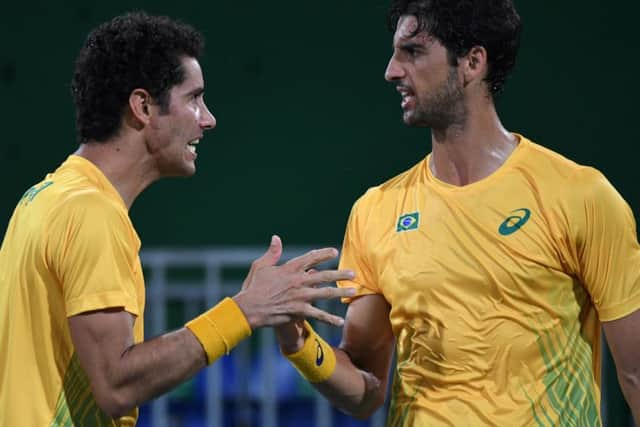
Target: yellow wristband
pixel 220 329
pixel 316 360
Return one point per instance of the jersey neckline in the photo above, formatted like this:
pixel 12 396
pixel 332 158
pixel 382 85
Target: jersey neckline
pixel 516 154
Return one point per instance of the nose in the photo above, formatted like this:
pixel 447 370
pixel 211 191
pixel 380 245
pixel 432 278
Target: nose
pixel 394 70
pixel 207 120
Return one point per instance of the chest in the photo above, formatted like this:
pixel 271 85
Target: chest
pixel 474 254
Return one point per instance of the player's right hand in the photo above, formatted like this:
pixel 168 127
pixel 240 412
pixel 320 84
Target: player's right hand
pixel 273 294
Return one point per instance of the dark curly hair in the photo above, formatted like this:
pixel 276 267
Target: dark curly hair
pixel 131 51
pixel 462 24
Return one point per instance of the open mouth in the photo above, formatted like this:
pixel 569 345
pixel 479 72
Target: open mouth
pixel 407 96
pixel 191 146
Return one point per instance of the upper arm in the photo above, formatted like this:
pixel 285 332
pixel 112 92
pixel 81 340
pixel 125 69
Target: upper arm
pixel 624 343
pixel 94 255
pixel 367 336
pixel 100 338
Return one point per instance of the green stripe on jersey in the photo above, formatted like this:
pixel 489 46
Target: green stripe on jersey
pixel 570 391
pixel 76 405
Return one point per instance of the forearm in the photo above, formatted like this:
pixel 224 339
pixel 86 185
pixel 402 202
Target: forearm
pixel 179 355
pixel 153 367
pixel 353 391
pixel 123 374
pixel 350 389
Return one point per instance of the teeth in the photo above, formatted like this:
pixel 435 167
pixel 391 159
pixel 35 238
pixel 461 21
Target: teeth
pixel 191 148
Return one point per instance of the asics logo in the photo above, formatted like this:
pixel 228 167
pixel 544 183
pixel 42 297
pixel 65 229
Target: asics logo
pixel 319 353
pixel 513 223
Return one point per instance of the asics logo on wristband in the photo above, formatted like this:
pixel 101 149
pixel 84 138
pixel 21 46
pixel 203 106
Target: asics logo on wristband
pixel 319 353
pixel 514 222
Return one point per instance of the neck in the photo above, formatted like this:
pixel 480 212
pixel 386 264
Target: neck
pixel 468 152
pixel 125 163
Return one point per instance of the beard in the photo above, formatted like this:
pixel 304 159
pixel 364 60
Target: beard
pixel 440 109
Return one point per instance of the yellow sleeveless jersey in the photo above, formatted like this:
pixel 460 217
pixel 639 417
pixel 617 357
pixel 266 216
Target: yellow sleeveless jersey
pixel 69 248
pixel 497 289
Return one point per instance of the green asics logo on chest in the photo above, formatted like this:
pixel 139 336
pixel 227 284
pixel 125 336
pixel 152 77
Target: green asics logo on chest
pixel 408 222
pixel 513 223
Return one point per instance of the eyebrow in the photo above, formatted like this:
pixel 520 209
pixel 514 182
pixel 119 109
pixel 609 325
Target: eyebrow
pixel 195 92
pixel 410 45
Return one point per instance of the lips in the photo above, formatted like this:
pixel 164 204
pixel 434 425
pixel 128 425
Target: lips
pixel 407 102
pixel 408 98
pixel 191 146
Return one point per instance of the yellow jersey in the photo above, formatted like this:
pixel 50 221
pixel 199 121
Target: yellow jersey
pixel 497 289
pixel 69 248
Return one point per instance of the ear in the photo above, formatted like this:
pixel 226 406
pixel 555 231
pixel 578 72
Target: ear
pixel 474 65
pixel 140 105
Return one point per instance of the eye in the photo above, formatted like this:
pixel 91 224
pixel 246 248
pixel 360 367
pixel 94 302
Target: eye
pixel 196 95
pixel 411 51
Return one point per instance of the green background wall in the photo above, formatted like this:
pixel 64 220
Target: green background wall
pixel 305 120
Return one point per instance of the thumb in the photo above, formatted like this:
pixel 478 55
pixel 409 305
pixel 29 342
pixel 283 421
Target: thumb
pixel 273 253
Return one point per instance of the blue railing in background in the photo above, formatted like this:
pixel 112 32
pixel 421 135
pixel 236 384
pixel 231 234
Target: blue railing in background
pixel 254 386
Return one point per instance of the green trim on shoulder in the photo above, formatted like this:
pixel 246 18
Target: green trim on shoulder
pixel 32 192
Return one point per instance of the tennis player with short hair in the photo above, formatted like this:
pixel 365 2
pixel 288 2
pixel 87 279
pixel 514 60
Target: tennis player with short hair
pixel 72 293
pixel 491 264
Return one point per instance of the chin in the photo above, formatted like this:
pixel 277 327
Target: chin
pixel 184 170
pixel 411 119
pixel 189 170
pixel 188 167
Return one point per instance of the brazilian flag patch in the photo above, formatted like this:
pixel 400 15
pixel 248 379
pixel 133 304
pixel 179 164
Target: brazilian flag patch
pixel 407 222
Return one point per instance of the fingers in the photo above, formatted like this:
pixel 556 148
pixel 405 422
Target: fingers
pixel 305 310
pixel 271 256
pixel 311 258
pixel 323 316
pixel 328 292
pixel 327 276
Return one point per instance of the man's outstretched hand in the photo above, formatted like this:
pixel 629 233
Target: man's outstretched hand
pixel 273 294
